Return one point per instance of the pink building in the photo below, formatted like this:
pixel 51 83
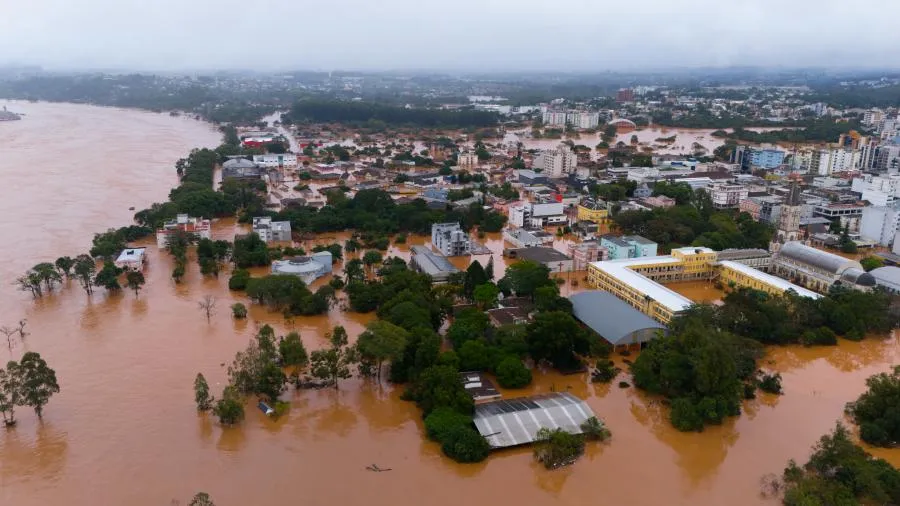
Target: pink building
pixel 751 207
pixel 659 201
pixel 585 253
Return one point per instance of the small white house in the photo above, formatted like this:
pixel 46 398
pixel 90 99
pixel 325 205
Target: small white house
pixel 132 259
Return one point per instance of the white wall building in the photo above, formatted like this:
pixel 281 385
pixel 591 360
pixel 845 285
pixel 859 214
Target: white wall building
pixel 197 228
pixel 269 230
pixel 530 215
pixel 450 239
pixel 275 161
pixel 308 268
pixel 467 160
pixel 556 163
pixel 582 119
pixel 879 224
pixel 727 195
pixel 554 118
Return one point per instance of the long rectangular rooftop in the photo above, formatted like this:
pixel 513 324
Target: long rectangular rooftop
pixel 621 270
pixel 769 279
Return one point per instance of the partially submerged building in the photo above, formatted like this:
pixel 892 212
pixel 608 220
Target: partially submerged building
pixel 512 422
pixel 435 265
pixel 554 260
pixel 637 281
pixel 195 228
pixel 241 168
pixel 450 239
pixel 818 270
pixel 270 231
pixel 614 320
pixel 132 259
pixel 307 268
pixel 478 386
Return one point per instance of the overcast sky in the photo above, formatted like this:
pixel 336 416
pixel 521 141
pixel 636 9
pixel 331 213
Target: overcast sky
pixel 581 35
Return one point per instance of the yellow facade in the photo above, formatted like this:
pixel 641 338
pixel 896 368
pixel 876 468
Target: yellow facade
pixel 696 263
pixel 732 277
pixel 598 216
pixel 602 280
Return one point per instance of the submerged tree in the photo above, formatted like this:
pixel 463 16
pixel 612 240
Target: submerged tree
pixel 556 448
pixel 207 306
pixel 108 277
pixel 229 408
pixel 380 342
pixel 10 392
pixel 333 364
pixel 38 382
pixel 84 269
pixel 64 266
pixel 31 282
pixel 48 274
pixel 201 393
pixel 134 280
pixel 201 499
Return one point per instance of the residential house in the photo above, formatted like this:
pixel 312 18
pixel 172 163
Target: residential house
pixel 196 228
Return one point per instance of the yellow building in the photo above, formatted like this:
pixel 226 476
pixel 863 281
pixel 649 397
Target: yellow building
pixel 593 211
pixel 637 280
pixel 734 274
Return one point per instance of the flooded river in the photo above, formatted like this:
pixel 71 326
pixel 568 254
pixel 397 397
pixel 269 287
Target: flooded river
pixel 124 429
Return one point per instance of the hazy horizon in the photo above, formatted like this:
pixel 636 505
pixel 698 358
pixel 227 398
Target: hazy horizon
pixel 578 36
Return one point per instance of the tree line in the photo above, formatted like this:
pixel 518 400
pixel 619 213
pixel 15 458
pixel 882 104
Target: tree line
pixel 338 111
pixel 693 221
pixel 708 362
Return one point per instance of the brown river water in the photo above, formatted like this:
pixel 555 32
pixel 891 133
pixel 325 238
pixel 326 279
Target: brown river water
pixel 124 429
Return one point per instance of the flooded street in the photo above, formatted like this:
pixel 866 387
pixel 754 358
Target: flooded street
pixel 124 429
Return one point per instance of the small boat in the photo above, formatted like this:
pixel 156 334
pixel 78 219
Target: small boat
pixel 265 408
pixel 131 208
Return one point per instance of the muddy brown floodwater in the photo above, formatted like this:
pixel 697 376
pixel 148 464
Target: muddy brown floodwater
pixel 124 430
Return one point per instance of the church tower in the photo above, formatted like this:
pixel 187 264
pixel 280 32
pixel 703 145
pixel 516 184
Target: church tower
pixel 789 224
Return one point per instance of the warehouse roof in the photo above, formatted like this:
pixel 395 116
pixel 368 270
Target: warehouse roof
pixel 432 263
pixel 513 422
pixel 612 318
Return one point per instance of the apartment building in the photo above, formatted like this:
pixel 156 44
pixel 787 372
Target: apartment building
pixel 727 196
pixel 556 163
pixel 450 239
pixel 880 224
pixel 270 231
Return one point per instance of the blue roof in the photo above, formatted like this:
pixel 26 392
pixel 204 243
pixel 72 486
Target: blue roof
pixel 613 318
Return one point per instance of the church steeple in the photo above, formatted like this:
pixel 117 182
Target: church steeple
pixel 789 224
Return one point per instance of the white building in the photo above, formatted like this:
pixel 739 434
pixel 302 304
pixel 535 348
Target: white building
pixel 275 161
pixel 531 215
pixel 450 239
pixel 467 160
pixel 196 228
pixel 554 118
pixel 308 268
pixel 873 117
pixel 269 230
pixel 877 190
pixel 726 196
pixel 879 224
pixel 556 163
pixel 584 119
pixel 132 259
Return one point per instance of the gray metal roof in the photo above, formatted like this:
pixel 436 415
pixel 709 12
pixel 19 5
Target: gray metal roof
pixel 432 263
pixel 513 422
pixel 886 275
pixel 829 262
pixel 613 318
pixel 857 277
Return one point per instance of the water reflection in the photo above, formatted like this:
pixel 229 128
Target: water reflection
pixel 38 456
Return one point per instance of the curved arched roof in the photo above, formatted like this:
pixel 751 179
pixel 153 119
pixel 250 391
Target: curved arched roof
pixel 829 262
pixel 612 318
pixel 858 277
pixel 622 121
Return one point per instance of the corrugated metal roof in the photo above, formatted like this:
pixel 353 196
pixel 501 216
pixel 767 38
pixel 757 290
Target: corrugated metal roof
pixel 613 318
pixel 513 422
